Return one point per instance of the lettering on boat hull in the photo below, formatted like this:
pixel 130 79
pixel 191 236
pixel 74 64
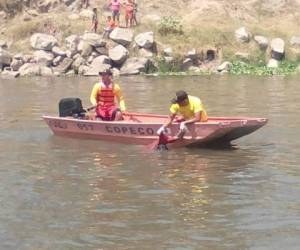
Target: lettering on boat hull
pixel 129 130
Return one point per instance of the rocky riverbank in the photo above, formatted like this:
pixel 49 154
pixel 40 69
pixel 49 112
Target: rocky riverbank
pixel 140 51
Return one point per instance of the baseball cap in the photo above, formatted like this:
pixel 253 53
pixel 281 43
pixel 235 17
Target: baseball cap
pixel 106 72
pixel 181 95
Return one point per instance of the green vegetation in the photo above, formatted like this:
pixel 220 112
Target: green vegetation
pixel 168 67
pixel 242 68
pixel 170 25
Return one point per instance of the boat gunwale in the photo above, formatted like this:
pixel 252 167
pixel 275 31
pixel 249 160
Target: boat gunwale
pixel 222 121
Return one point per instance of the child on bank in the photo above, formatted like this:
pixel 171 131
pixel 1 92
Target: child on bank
pixel 110 25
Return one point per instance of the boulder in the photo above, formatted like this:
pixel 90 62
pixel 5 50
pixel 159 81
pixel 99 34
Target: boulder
pixel 277 49
pixel 242 35
pixel 3 44
pixel 8 72
pixel 83 69
pixel 32 12
pixel 169 59
pixel 42 57
pixel 121 36
pixel 84 48
pixel 64 66
pixel 92 71
pixel 19 56
pixel 135 65
pixel 28 58
pixel 262 42
pixel 46 71
pixel 168 52
pixel 145 40
pixel 194 69
pixel 3 15
pixel 57 51
pixel 94 39
pixel 71 53
pixel 145 53
pixel 101 60
pixel 102 50
pixel 45 6
pixel 68 2
pixel 76 56
pixel 273 63
pixel 295 41
pixel 118 54
pixel 90 59
pixel 70 73
pixel 57 60
pixel 77 63
pixel 186 64
pixel 95 54
pixel 5 57
pixel 225 66
pixel 72 42
pixel 99 64
pixel 43 41
pixel 30 69
pixel 16 64
pixel 116 72
pixel 192 54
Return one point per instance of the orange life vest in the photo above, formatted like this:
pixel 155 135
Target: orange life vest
pixel 106 96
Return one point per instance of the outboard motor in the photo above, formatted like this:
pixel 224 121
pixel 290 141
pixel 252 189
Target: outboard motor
pixel 71 107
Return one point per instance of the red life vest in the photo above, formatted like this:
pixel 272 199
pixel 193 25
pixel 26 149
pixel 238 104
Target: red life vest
pixel 106 96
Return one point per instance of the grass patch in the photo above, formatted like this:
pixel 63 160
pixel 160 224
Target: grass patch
pixel 242 68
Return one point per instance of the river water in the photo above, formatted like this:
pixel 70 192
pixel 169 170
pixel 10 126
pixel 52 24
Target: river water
pixel 64 193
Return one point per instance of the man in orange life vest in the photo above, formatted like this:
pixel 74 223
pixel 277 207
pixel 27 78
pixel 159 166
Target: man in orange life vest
pixel 103 97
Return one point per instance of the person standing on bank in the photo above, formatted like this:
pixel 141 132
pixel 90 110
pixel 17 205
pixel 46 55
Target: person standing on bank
pixel 129 9
pixel 115 6
pixel 103 96
pixel 95 20
pixel 135 10
pixel 189 107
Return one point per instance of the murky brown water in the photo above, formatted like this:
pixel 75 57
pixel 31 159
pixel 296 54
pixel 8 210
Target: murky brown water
pixel 59 193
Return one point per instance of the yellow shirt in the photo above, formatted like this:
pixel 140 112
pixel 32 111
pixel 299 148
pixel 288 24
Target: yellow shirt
pixel 188 112
pixel 117 93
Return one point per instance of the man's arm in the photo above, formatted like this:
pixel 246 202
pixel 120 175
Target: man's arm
pixel 120 98
pixel 93 97
pixel 170 120
pixel 166 124
pixel 196 118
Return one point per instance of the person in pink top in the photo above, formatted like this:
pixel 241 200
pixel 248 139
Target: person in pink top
pixel 115 6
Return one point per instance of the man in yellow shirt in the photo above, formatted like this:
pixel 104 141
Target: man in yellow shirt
pixel 103 97
pixel 189 107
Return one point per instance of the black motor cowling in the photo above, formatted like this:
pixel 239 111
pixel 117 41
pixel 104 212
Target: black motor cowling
pixel 71 107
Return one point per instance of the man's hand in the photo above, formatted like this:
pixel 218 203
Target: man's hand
pixel 183 127
pixel 162 129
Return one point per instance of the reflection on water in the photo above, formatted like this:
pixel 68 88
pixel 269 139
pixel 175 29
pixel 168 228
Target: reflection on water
pixel 59 193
